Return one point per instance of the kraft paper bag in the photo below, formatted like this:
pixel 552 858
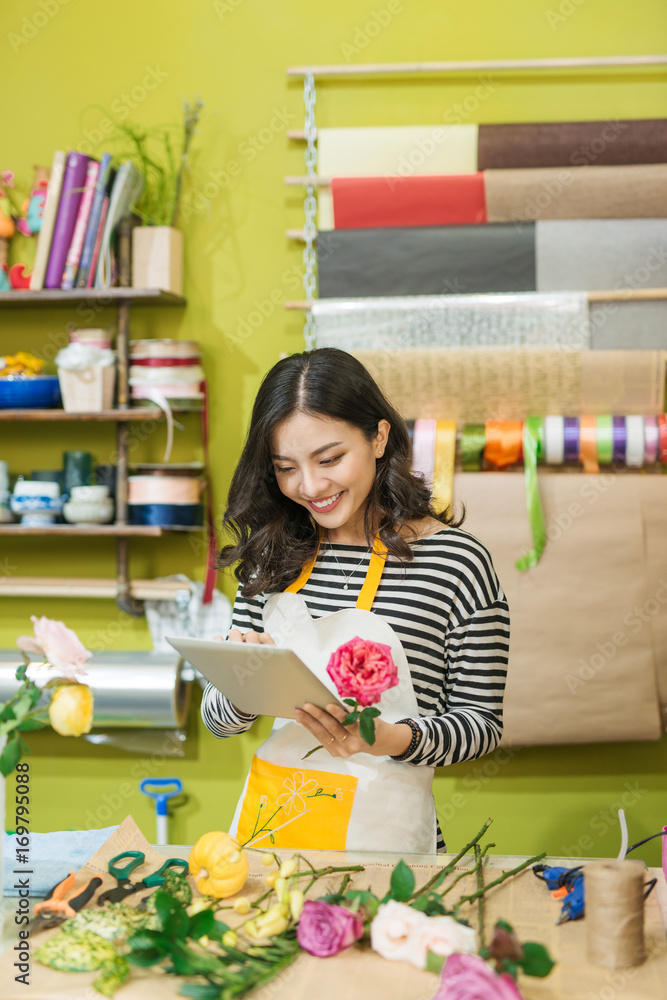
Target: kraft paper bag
pixel 582 666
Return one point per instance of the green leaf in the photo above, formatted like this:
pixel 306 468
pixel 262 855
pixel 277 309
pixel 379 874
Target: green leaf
pixel 402 883
pixel 201 991
pixel 20 671
pixel 202 923
pixel 112 976
pixel 29 724
pixel 431 905
pixel 145 957
pixel 146 940
pixel 434 962
pixel 349 701
pixel 350 719
pixel 7 712
pixel 536 960
pixel 165 905
pixel 505 926
pixel 371 712
pixel 176 926
pixel 367 727
pixel 11 754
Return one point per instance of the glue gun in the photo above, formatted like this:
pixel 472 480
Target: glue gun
pixel 566 884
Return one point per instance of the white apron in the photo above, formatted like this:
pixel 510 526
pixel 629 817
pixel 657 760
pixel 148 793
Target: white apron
pixel 358 803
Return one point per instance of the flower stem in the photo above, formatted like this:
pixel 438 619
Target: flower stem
pixel 442 874
pixel 502 878
pixel 479 869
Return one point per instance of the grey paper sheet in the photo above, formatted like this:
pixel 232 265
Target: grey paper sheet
pixel 427 260
pixel 629 325
pixel 590 254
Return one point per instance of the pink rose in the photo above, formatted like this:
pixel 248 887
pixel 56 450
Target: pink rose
pixel 469 977
pixel 59 645
pixel 363 670
pixel 325 929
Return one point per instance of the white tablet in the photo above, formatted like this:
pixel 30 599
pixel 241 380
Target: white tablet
pixel 257 679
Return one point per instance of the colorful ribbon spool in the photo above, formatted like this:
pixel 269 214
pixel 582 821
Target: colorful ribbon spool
pixel 503 442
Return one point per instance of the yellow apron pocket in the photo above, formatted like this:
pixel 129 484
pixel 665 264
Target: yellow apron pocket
pixel 291 807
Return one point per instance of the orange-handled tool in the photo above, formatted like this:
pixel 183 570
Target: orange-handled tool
pixel 55 908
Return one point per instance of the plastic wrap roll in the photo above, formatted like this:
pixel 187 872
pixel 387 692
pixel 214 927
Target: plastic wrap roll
pixel 140 690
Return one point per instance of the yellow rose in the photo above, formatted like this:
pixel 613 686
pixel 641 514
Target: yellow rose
pixel 71 709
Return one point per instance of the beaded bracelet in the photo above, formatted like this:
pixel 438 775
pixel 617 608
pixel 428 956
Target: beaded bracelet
pixel 414 742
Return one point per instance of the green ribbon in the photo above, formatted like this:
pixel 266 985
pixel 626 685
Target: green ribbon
pixel 604 431
pixel 473 442
pixel 532 432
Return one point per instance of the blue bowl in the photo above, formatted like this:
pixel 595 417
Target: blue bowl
pixel 39 393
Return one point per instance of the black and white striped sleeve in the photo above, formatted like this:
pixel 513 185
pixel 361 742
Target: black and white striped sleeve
pixel 219 715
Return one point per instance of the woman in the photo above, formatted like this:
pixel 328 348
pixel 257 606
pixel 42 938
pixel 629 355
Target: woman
pixel 323 504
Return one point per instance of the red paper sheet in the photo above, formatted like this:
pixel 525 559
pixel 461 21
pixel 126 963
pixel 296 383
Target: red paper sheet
pixel 378 202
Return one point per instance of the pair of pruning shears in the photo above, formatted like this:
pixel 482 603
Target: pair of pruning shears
pixel 55 908
pixel 135 859
pixel 566 884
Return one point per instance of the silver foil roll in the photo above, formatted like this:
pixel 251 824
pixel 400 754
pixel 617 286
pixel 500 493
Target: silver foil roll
pixel 133 690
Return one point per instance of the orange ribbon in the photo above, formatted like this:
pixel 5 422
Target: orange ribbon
pixel 503 442
pixel 588 444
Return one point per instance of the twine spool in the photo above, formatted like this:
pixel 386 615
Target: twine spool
pixel 615 913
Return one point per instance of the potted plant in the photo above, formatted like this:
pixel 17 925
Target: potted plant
pixel 162 156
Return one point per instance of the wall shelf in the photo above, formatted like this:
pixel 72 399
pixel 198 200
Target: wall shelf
pixel 39 586
pixel 120 416
pixel 113 530
pixel 101 296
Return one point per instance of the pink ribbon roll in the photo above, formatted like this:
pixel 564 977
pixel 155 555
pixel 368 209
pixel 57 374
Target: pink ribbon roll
pixel 164 489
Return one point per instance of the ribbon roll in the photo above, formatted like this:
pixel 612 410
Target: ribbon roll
pixel 167 515
pixel 531 432
pixel 554 440
pixel 163 347
pixel 473 441
pixel 164 489
pixel 651 440
pixel 662 433
pixel 588 445
pixel 571 438
pixel 620 439
pixel 423 450
pixel 443 465
pixel 169 373
pixel 165 362
pixel 604 430
pixel 503 442
pixel 634 454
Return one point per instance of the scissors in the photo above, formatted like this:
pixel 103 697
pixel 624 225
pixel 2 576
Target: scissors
pixel 55 908
pixel 122 875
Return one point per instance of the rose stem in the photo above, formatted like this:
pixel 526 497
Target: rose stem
pixel 344 884
pixel 467 872
pixel 480 885
pixel 452 864
pixel 506 875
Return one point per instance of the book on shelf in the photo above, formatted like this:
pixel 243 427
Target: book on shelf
pixel 126 190
pixel 48 221
pixel 70 199
pixel 76 245
pixel 103 187
pixel 98 240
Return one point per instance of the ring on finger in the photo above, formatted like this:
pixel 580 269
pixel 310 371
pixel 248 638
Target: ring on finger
pixel 332 740
pixel 343 738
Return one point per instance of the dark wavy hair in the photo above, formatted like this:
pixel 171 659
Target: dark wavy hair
pixel 274 536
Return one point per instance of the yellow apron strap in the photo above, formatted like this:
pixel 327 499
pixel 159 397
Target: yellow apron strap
pixel 371 583
pixel 302 578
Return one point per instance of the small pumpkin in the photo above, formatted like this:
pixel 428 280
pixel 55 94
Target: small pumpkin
pixel 218 865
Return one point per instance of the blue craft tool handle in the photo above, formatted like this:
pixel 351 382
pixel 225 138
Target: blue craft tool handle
pixel 161 789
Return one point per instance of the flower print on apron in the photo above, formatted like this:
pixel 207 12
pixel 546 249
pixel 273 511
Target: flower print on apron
pixel 362 802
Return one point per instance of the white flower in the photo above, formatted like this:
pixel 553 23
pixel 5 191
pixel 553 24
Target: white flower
pixel 401 933
pixel 392 929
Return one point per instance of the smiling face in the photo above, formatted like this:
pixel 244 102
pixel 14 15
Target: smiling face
pixel 328 467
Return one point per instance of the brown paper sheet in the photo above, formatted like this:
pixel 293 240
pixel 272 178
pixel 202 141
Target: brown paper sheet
pixel 582 667
pixel 523 901
pixel 653 498
pixel 622 192
pixel 479 384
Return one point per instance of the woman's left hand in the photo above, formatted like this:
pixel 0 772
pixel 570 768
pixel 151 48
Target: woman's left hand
pixel 338 740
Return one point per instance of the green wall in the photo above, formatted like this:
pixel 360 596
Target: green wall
pixel 66 65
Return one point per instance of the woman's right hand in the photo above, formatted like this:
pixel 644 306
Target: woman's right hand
pixel 260 638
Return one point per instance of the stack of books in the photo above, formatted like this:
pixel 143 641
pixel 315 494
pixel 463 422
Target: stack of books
pixel 85 201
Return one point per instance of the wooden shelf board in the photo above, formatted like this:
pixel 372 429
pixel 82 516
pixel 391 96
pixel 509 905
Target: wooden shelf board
pixel 35 586
pixel 113 530
pixel 131 413
pixel 101 296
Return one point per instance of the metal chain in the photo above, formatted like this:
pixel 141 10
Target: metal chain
pixel 310 209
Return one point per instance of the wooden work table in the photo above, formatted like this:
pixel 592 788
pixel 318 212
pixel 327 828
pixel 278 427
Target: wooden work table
pixel 358 972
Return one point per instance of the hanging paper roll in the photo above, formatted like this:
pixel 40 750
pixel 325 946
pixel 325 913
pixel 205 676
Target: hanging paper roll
pixel 525 319
pixel 373 202
pixel 589 254
pixel 532 436
pixel 564 144
pixel 394 151
pixel 443 468
pixel 428 260
pixel 624 192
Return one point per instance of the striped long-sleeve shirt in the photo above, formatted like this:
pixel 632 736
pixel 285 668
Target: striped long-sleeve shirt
pixel 450 613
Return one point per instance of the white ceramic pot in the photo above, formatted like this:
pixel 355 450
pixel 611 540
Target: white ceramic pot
pixel 88 511
pixel 36 488
pixel 89 494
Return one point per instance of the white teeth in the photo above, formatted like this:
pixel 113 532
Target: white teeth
pixel 325 503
